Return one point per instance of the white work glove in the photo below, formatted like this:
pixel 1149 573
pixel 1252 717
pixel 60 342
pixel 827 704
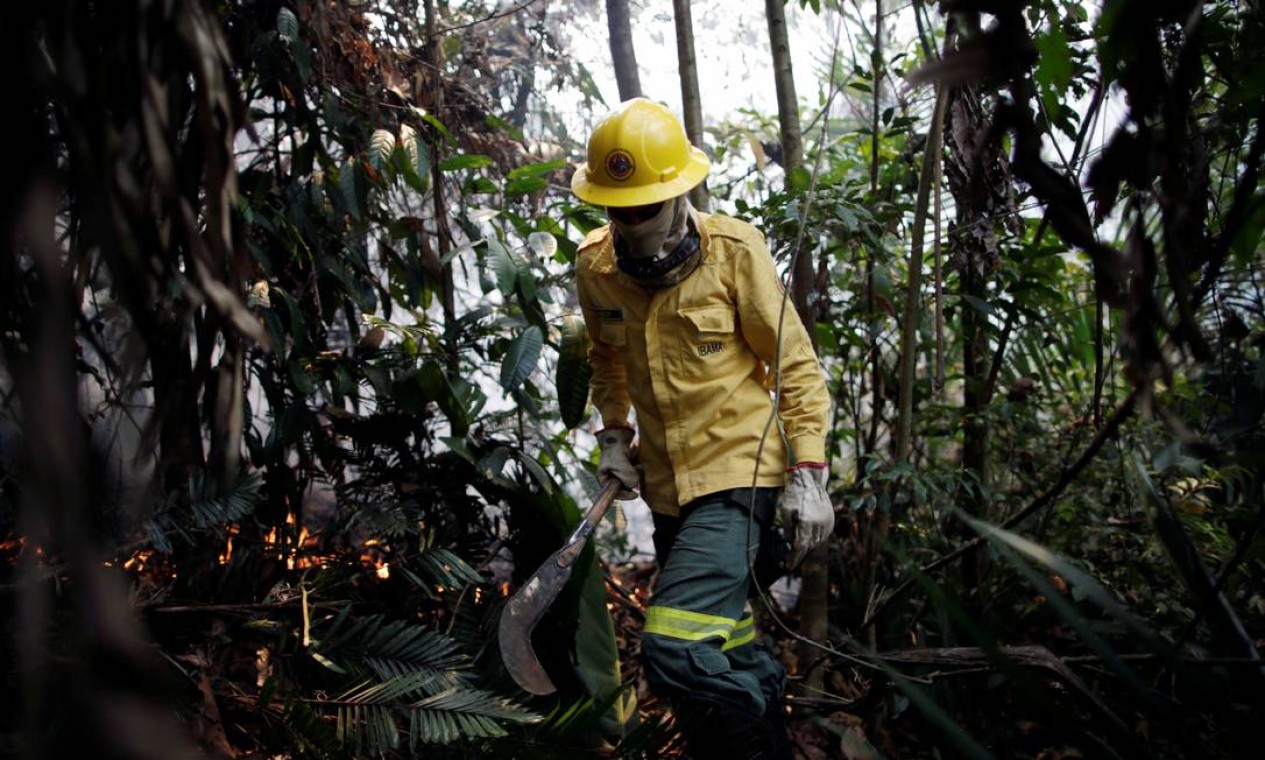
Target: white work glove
pixel 616 461
pixel 805 511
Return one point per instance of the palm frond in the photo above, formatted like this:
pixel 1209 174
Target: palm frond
pixel 385 692
pixel 440 567
pixel 368 727
pixel 368 714
pixel 395 649
pixel 448 569
pixel 463 713
pixel 200 511
pixel 390 519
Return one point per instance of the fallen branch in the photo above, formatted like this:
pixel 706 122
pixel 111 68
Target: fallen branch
pixel 238 608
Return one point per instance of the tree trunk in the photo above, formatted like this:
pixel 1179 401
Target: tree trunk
pixel 875 528
pixel 912 314
pixel 443 237
pixel 623 56
pixel 813 594
pixel 792 146
pixel 874 355
pixel 979 179
pixel 690 98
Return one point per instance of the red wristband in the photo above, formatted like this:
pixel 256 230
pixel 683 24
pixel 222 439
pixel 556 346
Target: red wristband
pixel 807 466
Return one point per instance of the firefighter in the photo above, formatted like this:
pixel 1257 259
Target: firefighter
pixel 690 337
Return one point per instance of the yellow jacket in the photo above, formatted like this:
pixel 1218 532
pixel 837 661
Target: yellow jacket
pixel 693 360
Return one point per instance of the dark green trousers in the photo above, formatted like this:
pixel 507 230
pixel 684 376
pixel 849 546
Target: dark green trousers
pixel 699 639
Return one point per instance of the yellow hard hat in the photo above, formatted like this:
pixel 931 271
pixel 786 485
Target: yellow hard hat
pixel 638 155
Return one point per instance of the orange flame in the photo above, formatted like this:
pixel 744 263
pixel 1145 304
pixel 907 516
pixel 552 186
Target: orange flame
pixel 227 554
pixel 136 562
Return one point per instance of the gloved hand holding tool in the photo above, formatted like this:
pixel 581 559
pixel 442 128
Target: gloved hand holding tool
pixel 617 460
pixel 805 510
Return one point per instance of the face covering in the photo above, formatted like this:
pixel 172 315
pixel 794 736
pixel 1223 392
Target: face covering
pixel 661 250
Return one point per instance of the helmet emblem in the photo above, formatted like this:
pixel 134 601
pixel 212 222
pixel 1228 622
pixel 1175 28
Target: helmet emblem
pixel 620 165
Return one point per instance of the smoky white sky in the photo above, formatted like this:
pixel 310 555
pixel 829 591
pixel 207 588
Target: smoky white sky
pixel 732 49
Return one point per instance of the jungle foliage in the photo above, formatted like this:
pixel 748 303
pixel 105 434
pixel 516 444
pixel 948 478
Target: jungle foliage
pixel 293 394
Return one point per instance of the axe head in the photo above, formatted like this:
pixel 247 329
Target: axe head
pixel 520 616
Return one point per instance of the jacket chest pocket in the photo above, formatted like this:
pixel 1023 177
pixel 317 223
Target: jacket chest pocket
pixel 613 334
pixel 707 335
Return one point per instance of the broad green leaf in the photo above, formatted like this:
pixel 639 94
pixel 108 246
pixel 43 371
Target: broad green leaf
pixel 527 291
pixel 573 371
pixel 573 376
pixel 347 186
pixel 979 304
pixel 543 244
pixel 521 358
pixel 430 119
pixel 1054 68
pixel 460 447
pixel 287 25
pixel 454 396
pixel 381 146
pixel 525 186
pixel 503 266
pixel 465 161
pixel 535 470
pixel 1247 243
pixel 596 650
pixel 536 170
pixel 298 324
pixel 415 166
pixel 492 466
pixel 799 180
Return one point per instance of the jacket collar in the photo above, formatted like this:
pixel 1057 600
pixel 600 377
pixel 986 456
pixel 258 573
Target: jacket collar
pixel 604 260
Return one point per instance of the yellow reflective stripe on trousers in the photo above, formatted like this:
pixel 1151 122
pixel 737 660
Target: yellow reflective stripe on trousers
pixel 744 633
pixel 686 625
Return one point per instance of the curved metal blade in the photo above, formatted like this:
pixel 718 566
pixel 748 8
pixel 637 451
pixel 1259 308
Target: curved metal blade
pixel 528 605
pixel 520 616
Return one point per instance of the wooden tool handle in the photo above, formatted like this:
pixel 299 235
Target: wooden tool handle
pixel 575 542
